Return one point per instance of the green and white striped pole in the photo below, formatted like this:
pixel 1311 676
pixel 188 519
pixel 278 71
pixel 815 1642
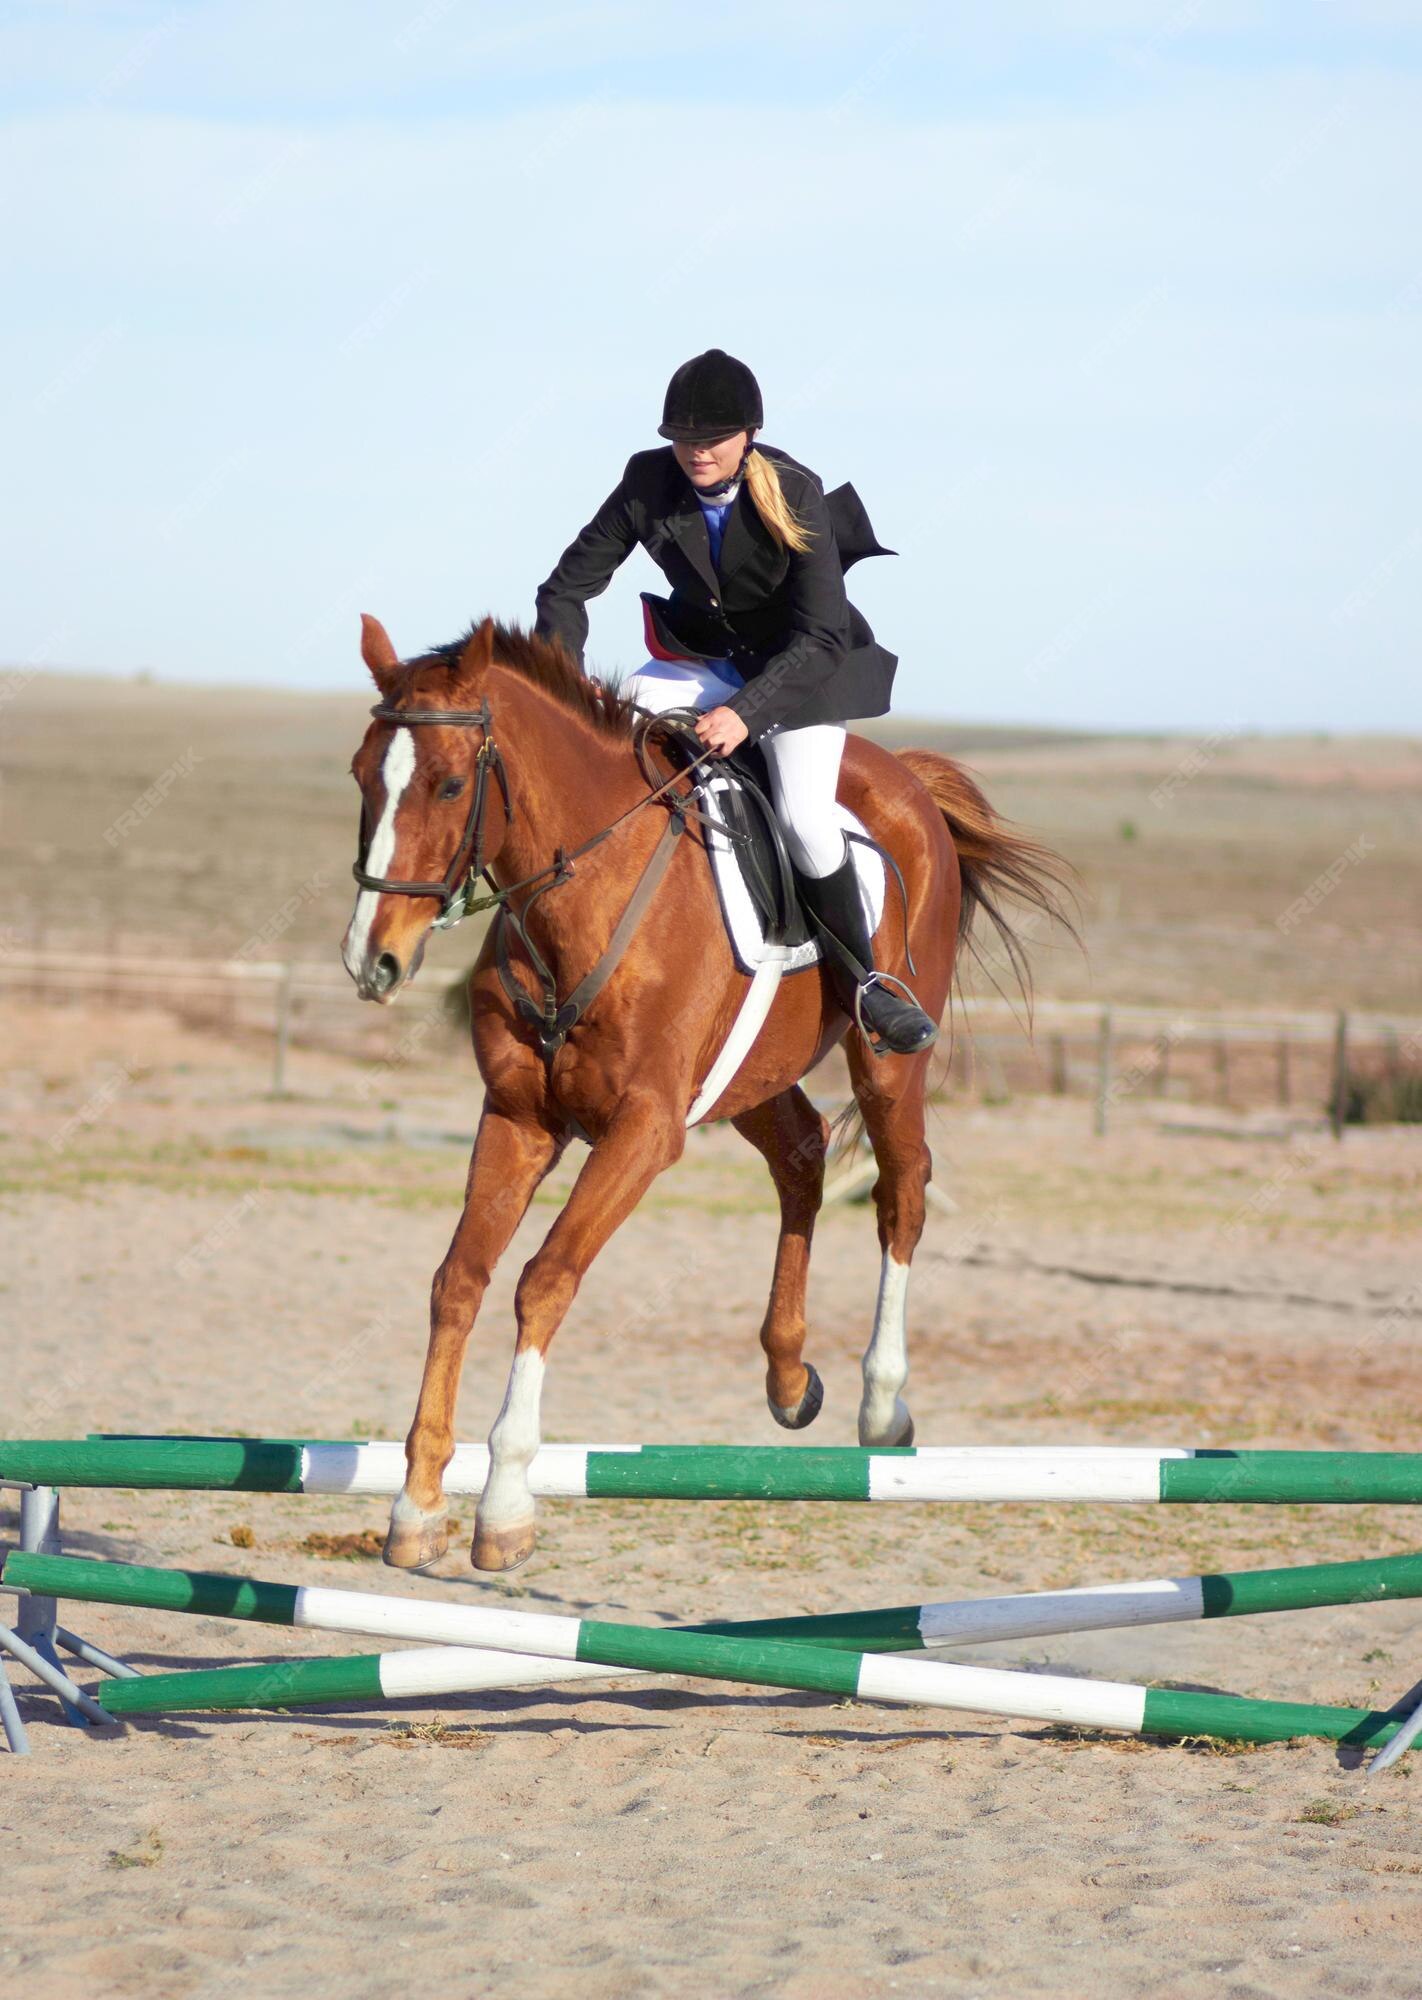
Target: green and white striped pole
pixel 898 1628
pixel 589 1646
pixel 1098 1607
pixel 974 1621
pixel 1124 1474
pixel 864 1676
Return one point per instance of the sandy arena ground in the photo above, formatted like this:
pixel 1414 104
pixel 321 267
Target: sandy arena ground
pixel 184 1252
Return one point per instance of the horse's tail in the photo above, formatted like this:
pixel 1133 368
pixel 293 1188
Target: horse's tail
pixel 994 860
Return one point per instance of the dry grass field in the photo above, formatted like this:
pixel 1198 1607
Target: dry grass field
pixel 1190 852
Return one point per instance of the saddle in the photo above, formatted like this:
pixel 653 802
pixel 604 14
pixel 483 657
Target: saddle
pixel 739 791
pixel 752 870
pixel 756 883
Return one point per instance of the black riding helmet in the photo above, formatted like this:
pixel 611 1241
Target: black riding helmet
pixel 711 396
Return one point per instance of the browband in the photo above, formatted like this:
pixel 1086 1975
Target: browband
pixel 452 718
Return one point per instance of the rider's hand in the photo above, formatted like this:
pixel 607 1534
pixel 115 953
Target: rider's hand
pixel 721 730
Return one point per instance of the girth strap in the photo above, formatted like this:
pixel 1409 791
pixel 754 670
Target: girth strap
pixel 552 1021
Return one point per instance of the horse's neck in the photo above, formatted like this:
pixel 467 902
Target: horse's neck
pixel 567 780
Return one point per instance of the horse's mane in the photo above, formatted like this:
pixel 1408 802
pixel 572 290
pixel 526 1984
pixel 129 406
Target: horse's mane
pixel 547 665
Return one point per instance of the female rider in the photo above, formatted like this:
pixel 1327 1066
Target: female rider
pixel 757 634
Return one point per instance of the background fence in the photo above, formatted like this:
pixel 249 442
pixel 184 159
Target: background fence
pixel 1235 1057
pixel 288 1002
pixel 1240 1058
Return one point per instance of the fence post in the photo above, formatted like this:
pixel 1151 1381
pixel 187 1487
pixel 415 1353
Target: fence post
pixel 1059 1066
pixel 1103 1071
pixel 1162 1066
pixel 1338 1105
pixel 283 1029
pixel 1281 1071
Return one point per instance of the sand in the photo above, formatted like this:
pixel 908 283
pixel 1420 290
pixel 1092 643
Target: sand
pixel 184 1252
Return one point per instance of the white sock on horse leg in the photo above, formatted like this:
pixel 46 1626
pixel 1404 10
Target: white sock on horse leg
pixel 507 1496
pixel 883 1417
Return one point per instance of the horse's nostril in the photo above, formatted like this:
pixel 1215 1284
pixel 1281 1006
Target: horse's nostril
pixel 386 973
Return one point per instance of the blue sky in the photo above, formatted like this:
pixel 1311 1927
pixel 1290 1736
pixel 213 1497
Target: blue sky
pixel 1114 323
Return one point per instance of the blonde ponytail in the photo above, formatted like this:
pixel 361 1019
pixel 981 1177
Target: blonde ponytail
pixel 774 509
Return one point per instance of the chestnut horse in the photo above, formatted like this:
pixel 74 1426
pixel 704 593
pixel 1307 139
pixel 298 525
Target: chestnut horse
pixel 535 761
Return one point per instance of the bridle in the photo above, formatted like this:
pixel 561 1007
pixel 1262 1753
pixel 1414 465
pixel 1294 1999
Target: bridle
pixel 457 892
pixel 456 889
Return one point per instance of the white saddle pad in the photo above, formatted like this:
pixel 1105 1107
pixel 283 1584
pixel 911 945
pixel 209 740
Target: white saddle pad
pixel 743 923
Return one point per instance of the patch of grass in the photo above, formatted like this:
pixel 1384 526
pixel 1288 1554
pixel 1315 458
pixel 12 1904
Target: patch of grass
pixel 357 1547
pixel 1327 1812
pixel 400 1735
pixel 1115 1410
pixel 1071 1736
pixel 1392 1098
pixel 396 1179
pixel 147 1852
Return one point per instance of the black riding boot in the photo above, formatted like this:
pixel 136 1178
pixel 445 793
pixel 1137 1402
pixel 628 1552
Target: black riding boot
pixel 893 1022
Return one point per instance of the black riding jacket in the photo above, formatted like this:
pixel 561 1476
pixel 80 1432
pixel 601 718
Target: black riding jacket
pixel 782 619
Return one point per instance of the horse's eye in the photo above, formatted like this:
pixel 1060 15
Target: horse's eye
pixel 451 788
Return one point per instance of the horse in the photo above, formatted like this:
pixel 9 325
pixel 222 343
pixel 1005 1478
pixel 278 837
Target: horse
pixel 496 757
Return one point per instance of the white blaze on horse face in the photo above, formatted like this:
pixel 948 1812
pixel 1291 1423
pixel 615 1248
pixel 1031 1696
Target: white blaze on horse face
pixel 882 1417
pixel 395 774
pixel 507 1498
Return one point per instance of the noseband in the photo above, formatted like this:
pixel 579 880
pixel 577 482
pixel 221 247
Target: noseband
pixel 455 890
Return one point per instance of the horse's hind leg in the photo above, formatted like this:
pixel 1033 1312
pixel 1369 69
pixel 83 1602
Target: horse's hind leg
pixel 792 1135
pixel 891 1094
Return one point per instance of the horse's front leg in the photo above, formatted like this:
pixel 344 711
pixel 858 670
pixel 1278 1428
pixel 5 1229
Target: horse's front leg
pixel 510 1158
pixel 644 1139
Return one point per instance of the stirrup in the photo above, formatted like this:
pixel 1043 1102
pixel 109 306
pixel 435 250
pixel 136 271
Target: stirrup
pixel 877 1039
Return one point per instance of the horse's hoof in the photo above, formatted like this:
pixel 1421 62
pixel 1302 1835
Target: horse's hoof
pixel 798 1415
pixel 899 1430
pixel 503 1548
pixel 416 1542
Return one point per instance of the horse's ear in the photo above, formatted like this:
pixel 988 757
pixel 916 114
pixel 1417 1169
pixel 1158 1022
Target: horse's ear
pixel 477 651
pixel 377 652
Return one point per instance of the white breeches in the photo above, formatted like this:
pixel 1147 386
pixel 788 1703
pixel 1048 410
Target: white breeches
pixel 803 763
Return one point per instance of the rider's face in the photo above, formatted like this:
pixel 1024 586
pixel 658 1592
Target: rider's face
pixel 709 464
